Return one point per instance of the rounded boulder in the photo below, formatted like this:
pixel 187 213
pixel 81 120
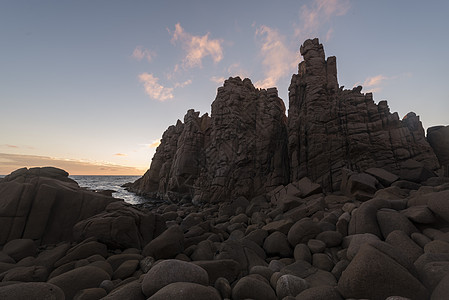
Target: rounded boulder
pixel 31 290
pixel 186 290
pixel 170 271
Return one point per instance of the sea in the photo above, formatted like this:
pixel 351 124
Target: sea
pixel 113 183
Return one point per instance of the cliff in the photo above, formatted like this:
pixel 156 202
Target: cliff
pixel 331 128
pixel 248 146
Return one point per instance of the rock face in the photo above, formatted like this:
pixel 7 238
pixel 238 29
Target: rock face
pixel 438 137
pixel 247 151
pixel 241 150
pixel 248 147
pixel 330 128
pixel 43 204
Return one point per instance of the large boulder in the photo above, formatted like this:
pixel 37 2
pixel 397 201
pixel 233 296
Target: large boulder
pixel 167 245
pixel 119 226
pixel 31 290
pixel 43 204
pixel 170 271
pixel 372 274
pixel 78 279
pixel 186 290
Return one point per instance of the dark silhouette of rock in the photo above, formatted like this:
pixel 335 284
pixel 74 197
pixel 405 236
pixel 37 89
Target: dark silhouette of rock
pixel 248 147
pixel 438 138
pixel 43 204
pixel 331 128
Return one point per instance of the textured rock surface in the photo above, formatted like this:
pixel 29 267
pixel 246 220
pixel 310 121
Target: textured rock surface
pixel 241 150
pixel 438 137
pixel 331 128
pixel 44 204
pixel 247 151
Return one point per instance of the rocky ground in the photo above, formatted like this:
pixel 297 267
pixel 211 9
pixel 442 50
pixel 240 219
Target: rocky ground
pixel 379 237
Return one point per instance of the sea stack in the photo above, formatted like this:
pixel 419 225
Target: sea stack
pixel 248 146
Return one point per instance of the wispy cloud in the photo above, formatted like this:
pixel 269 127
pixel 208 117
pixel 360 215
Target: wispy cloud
pixel 10 146
pixel 218 79
pixel 11 162
pixel 140 53
pixel 197 47
pixel 154 144
pixel 278 59
pixel 154 89
pixel 375 83
pixel 313 16
pixel 120 154
pixel 183 84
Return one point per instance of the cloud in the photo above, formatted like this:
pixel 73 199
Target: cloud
pixel 373 84
pixel 154 144
pixel 183 84
pixel 120 154
pixel 217 79
pixel 11 162
pixel 140 53
pixel 277 58
pixel 197 47
pixel 10 146
pixel 312 17
pixel 154 89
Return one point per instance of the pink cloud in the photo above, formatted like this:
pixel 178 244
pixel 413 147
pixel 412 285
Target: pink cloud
pixel 140 53
pixel 315 15
pixel 278 59
pixel 197 47
pixel 120 154
pixel 154 89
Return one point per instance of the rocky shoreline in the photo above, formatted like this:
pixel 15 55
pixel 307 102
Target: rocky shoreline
pixel 341 200
pixel 380 236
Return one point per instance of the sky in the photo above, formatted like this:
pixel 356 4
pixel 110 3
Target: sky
pixel 90 86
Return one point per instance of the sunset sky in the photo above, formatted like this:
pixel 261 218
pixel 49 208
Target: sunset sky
pixel 90 86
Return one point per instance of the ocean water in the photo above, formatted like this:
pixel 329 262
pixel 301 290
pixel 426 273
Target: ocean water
pixel 111 183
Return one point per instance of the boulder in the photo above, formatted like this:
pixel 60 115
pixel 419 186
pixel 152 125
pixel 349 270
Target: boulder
pixel 276 244
pixel 20 248
pixel 403 243
pixel 439 204
pixel 26 274
pixel 186 290
pixel 90 294
pixel 320 292
pixel 31 290
pixel 167 245
pixel 83 250
pixel 441 290
pixel 170 271
pixel 391 220
pixel 374 275
pixel 131 290
pixel 253 287
pixel 224 268
pixel 43 204
pixel 78 279
pixel 120 226
pixel 290 285
pixel 302 231
pixel 383 176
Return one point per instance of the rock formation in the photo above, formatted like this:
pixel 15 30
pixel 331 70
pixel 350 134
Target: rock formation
pixel 240 150
pixel 248 147
pixel 438 137
pixel 246 153
pixel 44 204
pixel 331 128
